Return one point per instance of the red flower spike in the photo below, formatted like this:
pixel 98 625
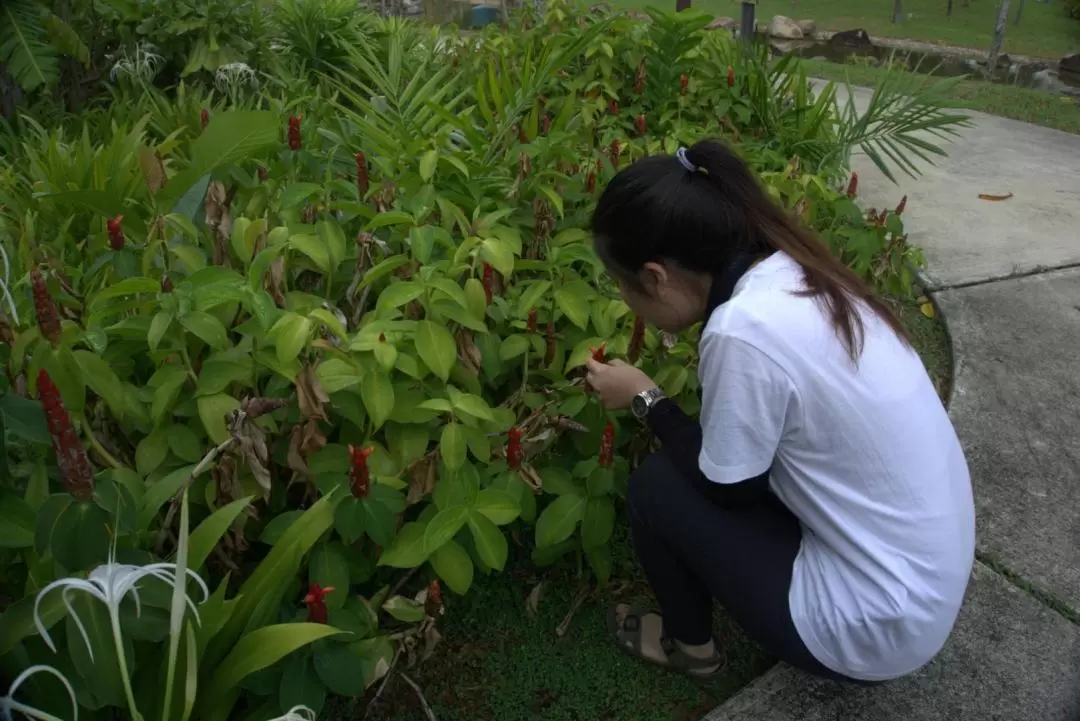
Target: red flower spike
pixel 382 337
pixel 853 185
pixel 316 602
pixel 639 125
pixel 637 340
pixel 684 84
pixel 613 107
pixel 166 284
pixel 361 174
pixel 264 175
pixel 294 132
pixel 590 181
pixel 45 308
pixel 901 205
pixel 359 474
pixel 116 232
pixel 730 76
pixel 607 446
pixel 547 124
pixel 489 281
pixel 616 149
pixel 549 351
pixel 204 118
pixel 514 454
pixel 639 77
pixel 433 603
pixel 75 470
pixel 522 137
pixel 530 325
pixel 598 354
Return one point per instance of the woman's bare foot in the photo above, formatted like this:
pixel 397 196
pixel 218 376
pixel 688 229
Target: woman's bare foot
pixel 652 649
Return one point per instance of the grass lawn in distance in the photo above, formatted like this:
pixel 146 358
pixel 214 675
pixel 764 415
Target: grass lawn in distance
pixel 1044 30
pixel 1010 101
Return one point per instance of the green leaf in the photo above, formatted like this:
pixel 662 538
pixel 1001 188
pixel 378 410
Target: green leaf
pixel 558 520
pixel 469 404
pixel 160 492
pixel 422 242
pixel 452 446
pixel 128 286
pixel 222 369
pixel 336 374
pixel 377 392
pixel 597 522
pixel 24 418
pixel 349 520
pixel 407 549
pixel 338 666
pixel 436 348
pixel 291 334
pixel 278 525
pixel 513 346
pixel 390 217
pixel 313 248
pixel 151 451
pixel 329 566
pixel 158 328
pixel 333 239
pixel 296 193
pixel 396 295
pixel 428 162
pixel 257 650
pixel 234 135
pixel 213 411
pixel 454 566
pixel 300 685
pixel 80 539
pixel 17 522
pixel 490 542
pixel 499 254
pixel 443 527
pixel 185 444
pixel 600 559
pixel 479 444
pixel 209 532
pixel 404 609
pixel 532 296
pixel 498 506
pixel 574 303
pixel 206 327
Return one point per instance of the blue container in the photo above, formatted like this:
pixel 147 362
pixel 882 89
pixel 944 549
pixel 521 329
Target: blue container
pixel 484 15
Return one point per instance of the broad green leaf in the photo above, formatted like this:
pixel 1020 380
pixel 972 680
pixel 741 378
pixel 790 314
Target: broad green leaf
pixel 422 242
pixel 558 520
pixel 17 522
pixel 185 444
pixel 257 650
pixel 407 549
pixel 213 411
pixel 291 334
pixel 207 327
pixel 396 295
pixel 221 369
pixel 278 525
pixel 300 685
pixel 337 665
pixel 474 406
pixel 574 303
pixel 490 541
pixel 314 248
pixel 499 254
pixel 24 418
pixel 443 527
pixel 452 445
pixel 597 522
pixel 404 609
pixel 234 135
pixel 377 392
pixel 152 450
pixel 600 560
pixel 329 567
pixel 333 239
pixel 296 193
pixel 158 494
pixel 513 346
pixel 390 217
pixel 532 297
pixel 428 162
pixel 158 328
pixel 336 374
pixel 349 520
pixel 479 444
pixel 454 566
pixel 80 539
pixel 436 348
pixel 128 286
pixel 209 532
pixel 498 506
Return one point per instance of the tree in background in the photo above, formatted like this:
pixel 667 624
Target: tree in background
pixel 897 12
pixel 999 35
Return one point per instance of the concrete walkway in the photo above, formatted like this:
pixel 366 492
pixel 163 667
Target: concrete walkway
pixel 1005 276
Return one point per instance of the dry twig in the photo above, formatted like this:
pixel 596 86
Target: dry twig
pixel 420 695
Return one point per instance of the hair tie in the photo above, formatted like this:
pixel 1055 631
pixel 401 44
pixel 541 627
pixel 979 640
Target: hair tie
pixel 680 155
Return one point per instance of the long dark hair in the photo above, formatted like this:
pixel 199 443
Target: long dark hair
pixel 657 209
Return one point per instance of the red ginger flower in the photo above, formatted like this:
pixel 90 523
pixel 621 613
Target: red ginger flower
pixel 294 132
pixel 684 84
pixel 433 603
pixel 204 118
pixel 115 226
pixel 853 185
pixel 730 76
pixel 359 474
pixel 75 469
pixel 637 339
pixel 530 325
pixel 639 125
pixel 598 354
pixel 514 453
pixel 45 308
pixel 590 181
pixel 549 351
pixel 361 174
pixel 613 107
pixel 607 445
pixel 901 205
pixel 616 148
pixel 547 124
pixel 316 603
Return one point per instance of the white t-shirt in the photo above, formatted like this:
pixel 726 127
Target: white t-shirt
pixel 864 455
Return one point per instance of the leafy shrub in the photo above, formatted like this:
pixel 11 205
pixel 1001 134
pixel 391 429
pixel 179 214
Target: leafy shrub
pixel 344 320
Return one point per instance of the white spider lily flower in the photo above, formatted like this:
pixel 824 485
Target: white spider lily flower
pixel 4 282
pixel 8 704
pixel 297 713
pixel 234 77
pixel 109 584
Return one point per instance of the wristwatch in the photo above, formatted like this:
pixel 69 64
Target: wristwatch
pixel 643 402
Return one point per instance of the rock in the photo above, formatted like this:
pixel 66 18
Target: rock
pixel 807 26
pixel 852 39
pixel 1045 79
pixel 723 23
pixel 783 47
pixel 782 27
pixel 1070 64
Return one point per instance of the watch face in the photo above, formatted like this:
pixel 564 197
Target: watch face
pixel 639 406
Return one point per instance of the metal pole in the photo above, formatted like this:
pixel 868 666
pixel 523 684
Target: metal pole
pixel 748 26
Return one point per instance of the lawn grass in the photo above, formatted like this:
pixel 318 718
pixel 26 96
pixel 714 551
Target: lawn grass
pixel 1044 30
pixel 1009 101
pixel 499 663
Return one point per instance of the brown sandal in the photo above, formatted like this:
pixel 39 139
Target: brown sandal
pixel 627 636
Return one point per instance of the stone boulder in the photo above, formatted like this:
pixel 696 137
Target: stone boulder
pixel 723 23
pixel 807 26
pixel 785 28
pixel 852 39
pixel 1070 64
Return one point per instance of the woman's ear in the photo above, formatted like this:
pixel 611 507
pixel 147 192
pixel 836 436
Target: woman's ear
pixel 655 277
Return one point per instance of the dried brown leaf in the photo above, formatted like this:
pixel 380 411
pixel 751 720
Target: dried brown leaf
pixel 421 480
pixel 310 394
pixel 218 217
pixel 153 169
pixel 305 439
pixel 468 353
pixel 995 196
pixel 251 440
pixel 532 601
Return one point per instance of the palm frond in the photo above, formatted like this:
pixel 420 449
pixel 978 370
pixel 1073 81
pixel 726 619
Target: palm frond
pixel 25 49
pixel 65 39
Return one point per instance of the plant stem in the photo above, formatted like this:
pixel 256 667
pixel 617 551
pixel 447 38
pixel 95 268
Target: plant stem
pixel 187 363
pixel 95 444
pixel 125 676
pixel 31 712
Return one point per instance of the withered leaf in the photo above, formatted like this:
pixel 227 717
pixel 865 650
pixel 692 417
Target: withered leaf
pixel 995 196
pixel 532 601
pixel 218 217
pixel 305 439
pixel 252 443
pixel 153 169
pixel 421 480
pixel 311 395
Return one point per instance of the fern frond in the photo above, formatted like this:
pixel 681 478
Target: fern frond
pixel 25 49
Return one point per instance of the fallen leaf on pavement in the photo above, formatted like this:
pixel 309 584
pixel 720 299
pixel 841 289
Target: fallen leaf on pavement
pixel 995 196
pixel 925 306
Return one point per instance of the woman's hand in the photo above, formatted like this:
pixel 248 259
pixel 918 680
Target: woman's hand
pixel 617 383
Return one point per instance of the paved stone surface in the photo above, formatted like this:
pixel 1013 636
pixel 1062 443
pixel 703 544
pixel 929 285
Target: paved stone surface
pixel 1016 407
pixel 967 239
pixel 1009 659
